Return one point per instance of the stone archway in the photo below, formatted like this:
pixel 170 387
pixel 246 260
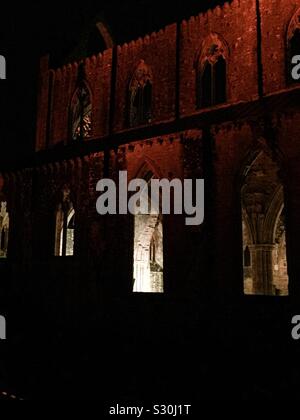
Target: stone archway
pixel 148 250
pixel 148 254
pixel 264 229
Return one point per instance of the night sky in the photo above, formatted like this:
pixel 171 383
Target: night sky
pixel 32 29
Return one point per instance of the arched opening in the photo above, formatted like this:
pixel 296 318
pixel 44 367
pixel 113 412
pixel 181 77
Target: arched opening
pixel 4 229
pixel 148 250
pixel 264 243
pixel 140 96
pixel 212 72
pixel 65 228
pixel 81 113
pixel 293 44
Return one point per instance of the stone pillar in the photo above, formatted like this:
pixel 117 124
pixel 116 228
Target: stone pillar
pixel 262 268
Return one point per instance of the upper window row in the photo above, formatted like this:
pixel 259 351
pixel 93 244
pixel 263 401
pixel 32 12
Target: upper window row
pixel 211 84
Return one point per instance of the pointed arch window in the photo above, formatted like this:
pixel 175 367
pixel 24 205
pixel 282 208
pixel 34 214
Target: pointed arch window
pixel 293 44
pixel 81 113
pixel 65 228
pixel 264 229
pixel 212 72
pixel 140 96
pixel 148 247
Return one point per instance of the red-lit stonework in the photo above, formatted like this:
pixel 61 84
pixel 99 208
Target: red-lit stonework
pixel 174 136
pixel 246 147
pixel 178 138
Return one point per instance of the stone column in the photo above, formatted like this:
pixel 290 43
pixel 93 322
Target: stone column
pixel 262 268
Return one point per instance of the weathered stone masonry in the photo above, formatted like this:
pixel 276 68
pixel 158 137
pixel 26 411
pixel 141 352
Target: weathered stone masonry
pixel 217 143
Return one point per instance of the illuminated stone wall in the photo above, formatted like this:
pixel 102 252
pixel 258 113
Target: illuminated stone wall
pixel 218 144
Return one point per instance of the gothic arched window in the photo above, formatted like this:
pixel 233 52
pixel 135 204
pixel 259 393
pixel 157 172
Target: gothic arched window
pixel 293 44
pixel 65 227
pixel 212 72
pixel 140 96
pixel 264 228
pixel 81 113
pixel 148 246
